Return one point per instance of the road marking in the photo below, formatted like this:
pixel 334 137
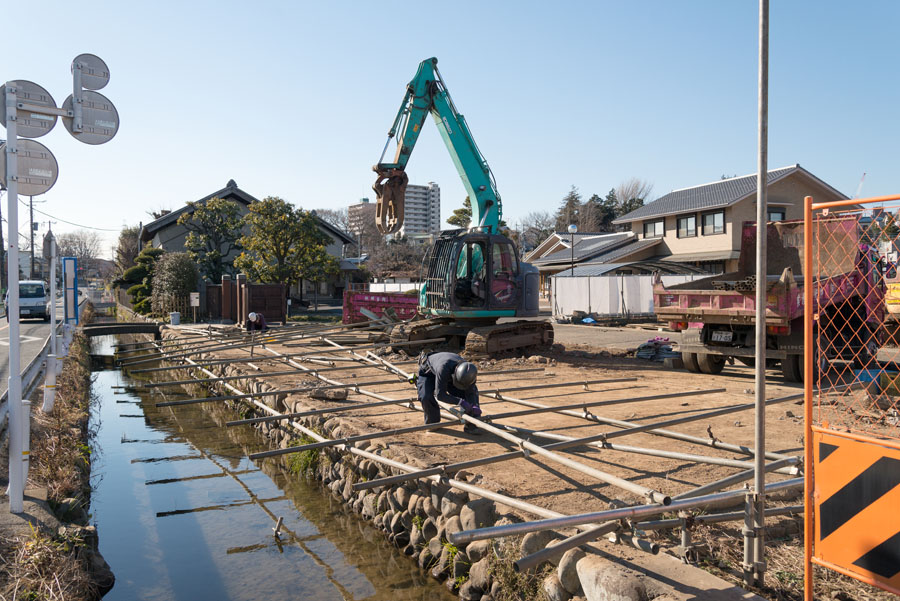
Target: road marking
pixel 22 340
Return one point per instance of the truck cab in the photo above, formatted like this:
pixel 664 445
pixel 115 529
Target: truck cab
pixel 34 300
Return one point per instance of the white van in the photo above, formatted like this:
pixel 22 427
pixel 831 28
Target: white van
pixel 34 300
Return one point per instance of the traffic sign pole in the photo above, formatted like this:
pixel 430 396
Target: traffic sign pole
pixel 30 168
pixel 14 399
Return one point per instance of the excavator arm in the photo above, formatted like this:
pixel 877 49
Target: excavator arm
pixel 425 94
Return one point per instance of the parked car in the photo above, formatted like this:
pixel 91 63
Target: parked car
pixel 34 300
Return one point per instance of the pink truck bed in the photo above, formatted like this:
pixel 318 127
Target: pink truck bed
pixel 405 305
pixel 841 277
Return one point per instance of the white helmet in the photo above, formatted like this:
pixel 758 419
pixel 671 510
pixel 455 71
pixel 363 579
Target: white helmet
pixel 252 317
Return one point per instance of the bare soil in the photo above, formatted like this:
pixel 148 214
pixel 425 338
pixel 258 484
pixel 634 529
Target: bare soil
pixel 567 491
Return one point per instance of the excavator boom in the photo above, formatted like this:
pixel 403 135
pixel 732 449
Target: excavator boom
pixel 425 94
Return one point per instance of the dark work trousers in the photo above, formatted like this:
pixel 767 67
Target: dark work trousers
pixel 425 390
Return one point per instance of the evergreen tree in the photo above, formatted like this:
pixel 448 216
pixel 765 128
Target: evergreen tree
pixel 462 217
pixel 568 210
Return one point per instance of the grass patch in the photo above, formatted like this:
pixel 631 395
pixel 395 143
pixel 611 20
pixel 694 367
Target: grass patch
pixel 43 567
pixel 312 318
pixel 304 462
pixel 516 586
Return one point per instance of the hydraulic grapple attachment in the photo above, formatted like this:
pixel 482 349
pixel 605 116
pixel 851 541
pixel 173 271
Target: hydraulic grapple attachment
pixel 390 194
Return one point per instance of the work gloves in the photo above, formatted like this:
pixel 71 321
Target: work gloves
pixel 470 409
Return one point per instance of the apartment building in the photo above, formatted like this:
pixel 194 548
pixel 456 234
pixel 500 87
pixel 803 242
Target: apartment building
pixel 361 217
pixel 422 212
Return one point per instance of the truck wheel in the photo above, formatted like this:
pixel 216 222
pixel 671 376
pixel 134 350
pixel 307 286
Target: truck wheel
pixel 792 368
pixel 690 362
pixel 710 364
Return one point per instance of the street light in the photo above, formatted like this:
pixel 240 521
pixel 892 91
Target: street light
pixel 572 229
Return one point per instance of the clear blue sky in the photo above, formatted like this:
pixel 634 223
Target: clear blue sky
pixel 294 99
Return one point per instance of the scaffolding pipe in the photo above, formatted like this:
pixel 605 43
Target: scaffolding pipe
pixel 349 440
pixel 737 478
pixel 779 466
pixel 528 447
pixel 550 409
pixel 714 518
pixel 311 388
pixel 280 357
pixel 707 442
pixel 253 342
pixel 619 513
pixel 270 374
pixel 244 336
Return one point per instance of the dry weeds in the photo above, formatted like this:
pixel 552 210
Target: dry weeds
pixel 60 450
pixel 784 558
pixel 41 567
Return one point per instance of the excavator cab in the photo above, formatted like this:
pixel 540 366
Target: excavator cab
pixel 478 275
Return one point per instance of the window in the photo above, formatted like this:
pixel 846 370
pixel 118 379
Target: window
pixel 504 260
pixel 31 291
pixel 654 229
pixel 687 226
pixel 776 214
pixel 714 223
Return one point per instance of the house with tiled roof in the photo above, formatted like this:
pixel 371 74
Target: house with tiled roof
pixel 166 233
pixel 701 225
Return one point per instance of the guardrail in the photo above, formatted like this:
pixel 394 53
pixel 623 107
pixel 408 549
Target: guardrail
pixel 30 377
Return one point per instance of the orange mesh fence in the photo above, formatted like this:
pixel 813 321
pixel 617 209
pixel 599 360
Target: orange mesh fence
pixel 852 447
pixel 856 337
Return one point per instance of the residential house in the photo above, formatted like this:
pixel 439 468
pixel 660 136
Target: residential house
pixel 701 225
pixel 166 233
pixel 691 230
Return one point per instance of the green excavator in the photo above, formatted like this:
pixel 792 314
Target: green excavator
pixel 473 277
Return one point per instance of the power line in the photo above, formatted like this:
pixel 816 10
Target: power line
pixel 90 227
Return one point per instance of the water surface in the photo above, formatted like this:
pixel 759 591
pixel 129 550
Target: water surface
pixel 183 514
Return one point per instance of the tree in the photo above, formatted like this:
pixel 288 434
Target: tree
pixel 569 209
pixel 462 217
pixel 589 215
pixel 128 248
pixel 140 278
pixel 397 257
pixel 285 244
pixel 175 276
pixel 632 194
pixel 607 211
pixel 84 245
pixel 214 228
pixel 537 226
pixel 339 218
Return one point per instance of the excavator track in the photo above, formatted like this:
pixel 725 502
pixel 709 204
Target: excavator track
pixel 489 340
pixel 478 340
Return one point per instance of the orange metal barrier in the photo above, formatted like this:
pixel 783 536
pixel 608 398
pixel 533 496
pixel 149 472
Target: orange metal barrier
pixel 852 381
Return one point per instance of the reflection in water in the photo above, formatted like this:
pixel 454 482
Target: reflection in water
pixel 183 514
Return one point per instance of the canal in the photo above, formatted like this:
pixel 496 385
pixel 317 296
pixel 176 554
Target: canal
pixel 183 514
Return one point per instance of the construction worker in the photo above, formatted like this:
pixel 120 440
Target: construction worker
pixel 448 378
pixel 256 321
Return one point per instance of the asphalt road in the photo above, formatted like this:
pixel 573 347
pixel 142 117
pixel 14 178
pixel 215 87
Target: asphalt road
pixel 32 333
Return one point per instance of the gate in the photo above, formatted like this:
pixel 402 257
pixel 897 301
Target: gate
pixel 852 408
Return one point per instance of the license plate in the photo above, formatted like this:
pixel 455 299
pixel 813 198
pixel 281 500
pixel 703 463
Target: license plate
pixel 722 336
pixel 25 311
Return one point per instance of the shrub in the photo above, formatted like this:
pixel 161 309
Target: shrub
pixel 174 278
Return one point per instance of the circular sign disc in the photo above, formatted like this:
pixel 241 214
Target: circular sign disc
pixel 100 119
pixel 94 72
pixel 36 165
pixel 28 123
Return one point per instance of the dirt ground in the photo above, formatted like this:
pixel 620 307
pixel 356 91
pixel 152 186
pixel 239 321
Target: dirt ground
pixel 553 486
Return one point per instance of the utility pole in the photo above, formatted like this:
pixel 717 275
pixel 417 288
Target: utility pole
pixel 31 227
pixel 2 252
